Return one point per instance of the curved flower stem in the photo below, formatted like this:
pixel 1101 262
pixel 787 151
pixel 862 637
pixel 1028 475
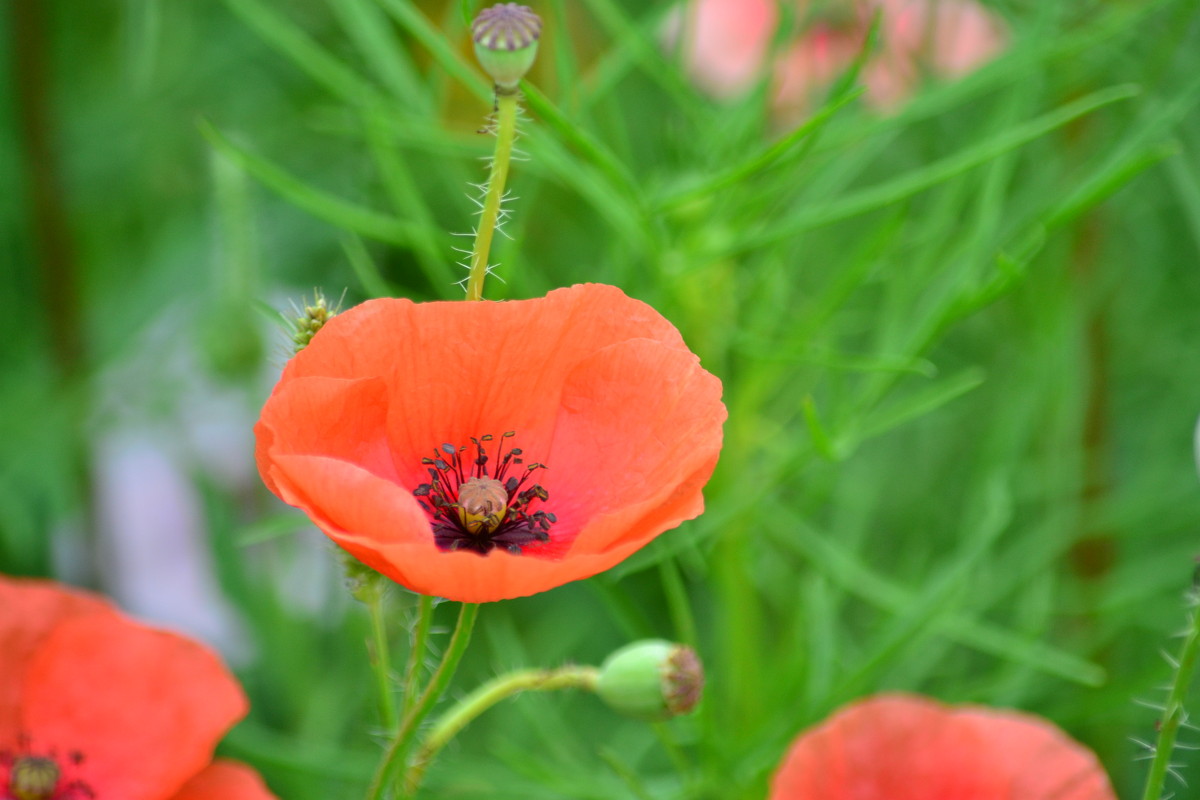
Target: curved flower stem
pixel 1174 714
pixel 486 696
pixel 506 130
pixel 394 758
pixel 416 653
pixel 381 663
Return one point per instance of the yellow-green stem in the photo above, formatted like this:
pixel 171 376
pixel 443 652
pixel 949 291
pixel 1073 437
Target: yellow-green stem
pixel 381 660
pixel 486 696
pixel 506 131
pixel 416 652
pixel 394 759
pixel 1174 714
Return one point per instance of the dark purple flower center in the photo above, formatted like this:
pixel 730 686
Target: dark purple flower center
pixel 479 504
pixel 26 775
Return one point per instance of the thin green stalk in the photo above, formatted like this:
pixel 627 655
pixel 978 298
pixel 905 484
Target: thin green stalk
pixel 381 661
pixel 416 653
pixel 1174 714
pixel 506 131
pixel 394 759
pixel 486 696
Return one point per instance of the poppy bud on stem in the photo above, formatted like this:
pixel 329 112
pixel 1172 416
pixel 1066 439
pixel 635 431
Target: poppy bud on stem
pixel 651 680
pixel 506 40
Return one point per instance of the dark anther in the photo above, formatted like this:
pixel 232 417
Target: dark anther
pixel 511 526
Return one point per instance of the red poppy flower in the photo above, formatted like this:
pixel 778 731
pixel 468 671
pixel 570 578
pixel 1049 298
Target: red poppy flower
pixel 93 705
pixel 486 450
pixel 899 747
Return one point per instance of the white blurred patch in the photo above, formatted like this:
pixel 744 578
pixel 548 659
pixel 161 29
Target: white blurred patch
pixel 156 561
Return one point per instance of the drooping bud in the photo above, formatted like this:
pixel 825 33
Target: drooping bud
pixel 651 680
pixel 506 42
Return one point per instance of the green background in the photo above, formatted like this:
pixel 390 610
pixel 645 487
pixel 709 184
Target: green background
pixel 958 344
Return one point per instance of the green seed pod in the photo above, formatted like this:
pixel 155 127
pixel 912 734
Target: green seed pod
pixel 506 42
pixel 651 680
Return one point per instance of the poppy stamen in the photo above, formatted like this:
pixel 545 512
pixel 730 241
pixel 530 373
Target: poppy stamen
pixel 479 509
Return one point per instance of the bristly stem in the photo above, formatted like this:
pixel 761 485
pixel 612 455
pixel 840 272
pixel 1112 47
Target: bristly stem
pixel 1174 714
pixel 381 661
pixel 506 131
pixel 486 696
pixel 416 653
pixel 394 759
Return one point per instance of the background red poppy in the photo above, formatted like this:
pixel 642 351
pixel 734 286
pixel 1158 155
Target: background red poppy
pixel 125 710
pixel 902 747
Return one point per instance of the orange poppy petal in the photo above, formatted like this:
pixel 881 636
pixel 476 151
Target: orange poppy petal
pixel 335 417
pixel 144 707
pixel 911 748
pixel 457 369
pixel 341 497
pixel 635 420
pixel 1041 760
pixel 29 611
pixel 225 780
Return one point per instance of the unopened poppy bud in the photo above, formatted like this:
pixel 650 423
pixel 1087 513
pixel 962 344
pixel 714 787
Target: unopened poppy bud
pixel 506 42
pixel 652 680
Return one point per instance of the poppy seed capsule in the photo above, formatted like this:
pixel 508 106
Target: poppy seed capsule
pixel 34 778
pixel 482 504
pixel 506 42
pixel 651 680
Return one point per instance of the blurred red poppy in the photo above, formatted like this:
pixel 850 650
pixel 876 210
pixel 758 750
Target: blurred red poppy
pixel 728 42
pixel 900 747
pixel 486 450
pixel 94 705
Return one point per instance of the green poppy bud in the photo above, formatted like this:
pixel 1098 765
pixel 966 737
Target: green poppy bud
pixel 651 680
pixel 506 42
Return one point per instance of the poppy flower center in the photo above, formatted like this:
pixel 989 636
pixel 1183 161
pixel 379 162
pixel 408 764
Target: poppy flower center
pixel 479 504
pixel 40 777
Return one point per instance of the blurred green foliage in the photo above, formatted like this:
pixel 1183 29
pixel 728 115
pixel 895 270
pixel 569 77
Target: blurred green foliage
pixel 957 341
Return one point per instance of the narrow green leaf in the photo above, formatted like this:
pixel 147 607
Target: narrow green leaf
pixel 322 205
pixel 893 191
pixel 299 48
pixel 922 402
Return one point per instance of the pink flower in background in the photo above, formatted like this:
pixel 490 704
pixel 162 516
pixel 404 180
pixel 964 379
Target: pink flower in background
pixel 728 40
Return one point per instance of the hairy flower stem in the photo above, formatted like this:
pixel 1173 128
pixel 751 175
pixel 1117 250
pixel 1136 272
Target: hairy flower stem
pixel 506 131
pixel 394 759
pixel 486 696
pixel 416 653
pixel 381 658
pixel 1174 714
